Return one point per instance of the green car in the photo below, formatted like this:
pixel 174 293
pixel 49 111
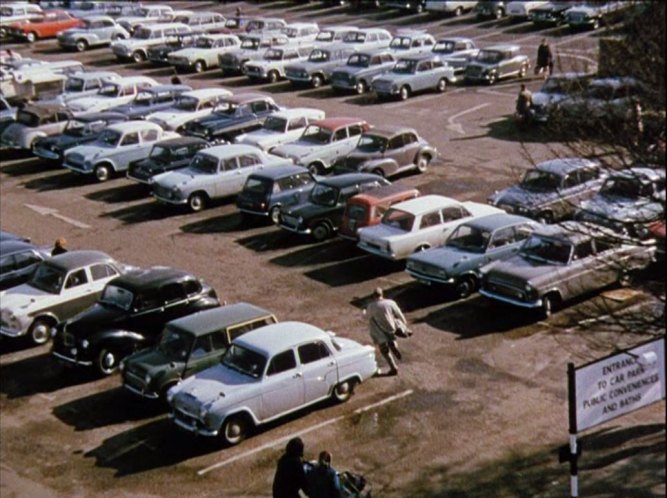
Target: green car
pixel 189 345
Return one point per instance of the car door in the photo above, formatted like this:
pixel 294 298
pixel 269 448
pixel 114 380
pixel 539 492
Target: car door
pixel 206 351
pixel 585 272
pixel 282 386
pixel 410 150
pixel 501 246
pixel 228 178
pixel 248 164
pixel 173 297
pixel 572 192
pixel 320 372
pixel 77 294
pixel 130 149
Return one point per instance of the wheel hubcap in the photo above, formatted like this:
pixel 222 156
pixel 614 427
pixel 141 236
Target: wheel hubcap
pixel 40 334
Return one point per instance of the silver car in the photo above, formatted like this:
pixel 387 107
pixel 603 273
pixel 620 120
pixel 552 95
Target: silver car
pixel 96 31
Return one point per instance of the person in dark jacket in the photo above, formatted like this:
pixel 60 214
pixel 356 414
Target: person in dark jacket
pixel 323 481
pixel 59 247
pixel 545 59
pixel 290 475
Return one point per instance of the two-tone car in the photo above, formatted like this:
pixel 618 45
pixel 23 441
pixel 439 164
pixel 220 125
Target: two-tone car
pixel 388 151
pixel 15 12
pixel 456 51
pixel 271 67
pixel 252 48
pixel 188 107
pixel 361 69
pixel 166 155
pixel 159 54
pixel 321 62
pixel 266 374
pixel 189 345
pixel 470 247
pixel 60 287
pixel 112 94
pixel 560 262
pixel 281 127
pixel 18 260
pixel 203 55
pixel 497 62
pixel 418 224
pixel 136 48
pixel 115 148
pixel 323 143
pixel 129 315
pixel 552 190
pixel 152 100
pixel 214 173
pixel 33 122
pixel 414 74
pixel 96 31
pixel 47 26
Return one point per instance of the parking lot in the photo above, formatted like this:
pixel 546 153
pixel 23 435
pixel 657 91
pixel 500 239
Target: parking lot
pixel 479 407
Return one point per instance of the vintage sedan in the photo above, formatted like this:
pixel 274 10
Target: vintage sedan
pixel 34 121
pixel 59 288
pixel 115 148
pixel 560 262
pixel 323 143
pixel 188 107
pixel 252 48
pixel 78 131
pixel 203 55
pixel 471 246
pixel 409 42
pixel 95 32
pixel 266 193
pixel 497 62
pixel 47 26
pixel 18 260
pixel 591 15
pixel 129 315
pixel 11 13
pixel 388 151
pixel 112 94
pixel 457 52
pixel 321 214
pixel 452 7
pixel 281 127
pixel 333 34
pixel 214 173
pixel 271 67
pixel 159 54
pixel 550 14
pixel 265 25
pixel 321 62
pixel 418 224
pixel 146 15
pixel 491 9
pixel 368 38
pixel 152 100
pixel 361 69
pixel 414 74
pixel 301 32
pixel 520 10
pixel 166 155
pixel 555 89
pixel 628 202
pixel 79 85
pixel 266 374
pixel 189 345
pixel 551 191
pixel 136 48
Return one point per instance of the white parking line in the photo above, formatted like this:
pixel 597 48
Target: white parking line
pixel 452 125
pixel 283 440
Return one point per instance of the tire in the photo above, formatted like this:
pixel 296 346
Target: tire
pixel 81 45
pixel 117 37
pixel 273 76
pixel 492 79
pixel 321 231
pixel 523 71
pixel 197 202
pixel 442 86
pixel 102 172
pixel 317 81
pixel 200 67
pixel 274 214
pixel 404 92
pixel 422 163
pixel 31 37
pixel 138 56
pixel 550 303
pixel 546 217
pixel 378 172
pixel 3 33
pixel 465 286
pixel 596 24
pixel 458 12
pixel 315 168
pixel 419 9
pixel 625 279
pixel 499 13
pixel 234 430
pixel 107 361
pixel 361 87
pixel 343 391
pixel 40 331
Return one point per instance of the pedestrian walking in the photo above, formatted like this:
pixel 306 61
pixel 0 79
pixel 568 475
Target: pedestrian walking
pixel 290 475
pixel 59 247
pixel 322 478
pixel 545 59
pixel 524 104
pixel 384 319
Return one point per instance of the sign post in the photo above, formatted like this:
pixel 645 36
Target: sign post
pixel 574 460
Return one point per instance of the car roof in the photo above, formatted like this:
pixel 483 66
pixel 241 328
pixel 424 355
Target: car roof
pixel 86 75
pixel 9 246
pixel 230 150
pixel 180 141
pixel 156 26
pixel 372 30
pixel 278 337
pixel 565 165
pixel 101 116
pixel 569 231
pixel 43 109
pixel 388 131
pixel 348 179
pixel 502 47
pixel 494 221
pixel 218 36
pixel 454 39
pixel 126 80
pixel 296 112
pixel 301 25
pixel 147 279
pixel 168 87
pixel 337 122
pixel 98 18
pixel 203 93
pixel 207 321
pixel 425 203
pixel 614 81
pixel 340 27
pixel 75 259
pixel 280 171
pixel 131 126
pixel 242 98
pixel 383 192
pixel 420 57
pixel 643 173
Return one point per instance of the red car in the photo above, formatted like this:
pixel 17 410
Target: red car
pixel 53 22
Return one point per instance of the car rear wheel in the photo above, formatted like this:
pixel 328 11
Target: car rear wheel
pixel 361 87
pixel 234 430
pixel 404 93
pixel 31 37
pixel 378 172
pixel 492 79
pixel 500 13
pixel 82 45
pixel 442 85
pixel 197 202
pixel 523 71
pixel 465 286
pixel 107 361
pixel 458 11
pixel 117 37
pixel 40 332
pixel 317 81
pixel 321 231
pixel 422 163
pixel 138 56
pixel 315 168
pixel 545 217
pixel 273 76
pixel 102 172
pixel 274 215
pixel 343 391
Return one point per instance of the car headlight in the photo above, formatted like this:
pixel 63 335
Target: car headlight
pixel 87 164
pixel 531 293
pixel 85 344
pixel 394 88
pixel 121 366
pixel 300 220
pixel 147 378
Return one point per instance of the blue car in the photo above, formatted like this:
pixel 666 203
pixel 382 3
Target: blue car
pixel 151 100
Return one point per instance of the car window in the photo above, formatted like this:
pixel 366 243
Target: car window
pixel 340 134
pixel 201 347
pixel 430 219
pixel 297 123
pixel 130 139
pixel 348 192
pixel 101 271
pixel 93 84
pixel 502 237
pixel 451 214
pixel 76 278
pixel 229 164
pixel 192 287
pixel 583 249
pixel 571 180
pixel 396 142
pixel 180 152
pixel 522 232
pixel 356 130
pixel 7 264
pixel 259 106
pixel 424 66
pixel 602 246
pixel 238 330
pixel 409 138
pixel 589 174
pixel 171 293
pixel 282 362
pixel 248 160
pixel 313 351
pixel 149 135
pixel 219 340
pixel 25 259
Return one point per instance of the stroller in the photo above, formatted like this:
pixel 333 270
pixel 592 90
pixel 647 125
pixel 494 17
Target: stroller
pixel 354 485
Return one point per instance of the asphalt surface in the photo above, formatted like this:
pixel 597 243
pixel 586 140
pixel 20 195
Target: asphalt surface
pixel 479 406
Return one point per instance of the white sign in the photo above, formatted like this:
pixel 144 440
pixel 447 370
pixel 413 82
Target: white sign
pixel 619 384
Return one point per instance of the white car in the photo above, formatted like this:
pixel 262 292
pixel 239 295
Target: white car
pixel 112 94
pixel 419 224
pixel 301 32
pixel 79 85
pixel 144 37
pixel 333 34
pixel 281 127
pixel 204 54
pixel 146 14
pixel 266 374
pixel 520 10
pixel 189 106
pixel 115 148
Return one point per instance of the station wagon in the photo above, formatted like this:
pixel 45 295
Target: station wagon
pixel 205 21
pixel 271 67
pixel 144 37
pixel 414 74
pixel 456 52
pixel 95 32
pixel 112 94
pixel 281 127
pixel 301 32
pixel 146 15
pixel 409 42
pixel 203 55
pixel 333 34
pixel 11 13
pixel 265 25
pixel 18 259
pixel 497 62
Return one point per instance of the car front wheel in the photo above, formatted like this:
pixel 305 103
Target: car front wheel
pixel 107 361
pixel 549 304
pixel 273 76
pixel 465 286
pixel 40 332
pixel 200 67
pixel 102 172
pixel 31 37
pixel 82 45
pixel 322 231
pixel 274 215
pixel 234 430
pixel 317 81
pixel 197 202
pixel 442 85
pixel 422 163
pixel 361 87
pixel 404 93
pixel 138 56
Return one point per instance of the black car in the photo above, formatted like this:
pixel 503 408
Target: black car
pixel 235 115
pixel 17 261
pixel 550 14
pixel 154 99
pixel 159 54
pixel 78 131
pixel 491 9
pixel 166 155
pixel 130 315
pixel 321 215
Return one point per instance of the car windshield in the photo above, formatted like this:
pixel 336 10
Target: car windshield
pixel 359 60
pixel 175 343
pixel 27 118
pixel 356 211
pixel 563 85
pixel 319 56
pixel 372 143
pixel 110 91
pixel 185 103
pixel 317 135
pixel 405 67
pixel 324 36
pixel 117 297
pixel 250 43
pixel 76 128
pixel 226 108
pixel 444 47
pixel 324 195
pixel 6 12
pixel 204 43
pixel 48 278
pixel 109 138
pixel 274 123
pixel 160 154
pixel 547 250
pixel 203 163
pixel 141 12
pixel 244 360
pixel 469 238
pixel 354 37
pixel 489 56
pixel 630 188
pixel 400 42
pixel 73 85
pixel 142 34
pixel 273 54
pixel 397 218
pixel 540 181
pixel 143 98
pixel 290 32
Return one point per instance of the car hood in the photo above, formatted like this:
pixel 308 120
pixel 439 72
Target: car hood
pixel 359 156
pixel 519 271
pixel 214 120
pixel 389 78
pixel 150 360
pixel 24 299
pixel 72 32
pixel 192 53
pixel 447 258
pixel 261 138
pixel 166 116
pixel 95 318
pixel 581 10
pixel 517 195
pixel 541 98
pixel 63 141
pixel 88 103
pixel 89 152
pixel 13 131
pixel 298 148
pixel 177 178
pixel 622 208
pixel 380 232
pixel 208 385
